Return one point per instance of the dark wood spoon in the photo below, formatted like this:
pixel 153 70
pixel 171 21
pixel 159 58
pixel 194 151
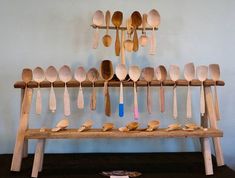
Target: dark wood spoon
pixel 117 21
pixel 136 22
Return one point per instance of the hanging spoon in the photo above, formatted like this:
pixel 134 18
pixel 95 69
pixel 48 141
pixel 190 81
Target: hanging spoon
pixel 98 20
pixel 128 44
pixel 93 76
pixel 117 21
pixel 136 22
pixel 107 40
pixel 143 38
pixel 80 76
pixel 65 75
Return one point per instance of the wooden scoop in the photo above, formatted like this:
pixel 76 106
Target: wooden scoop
pixel 93 76
pixel 117 21
pixel 86 126
pixel 61 125
pixel 107 126
pixel 98 20
pixel 172 127
pixel 121 73
pixel 51 75
pixel 136 22
pixel 134 73
pixel 106 71
pixel 148 75
pixel 202 73
pixel 132 126
pixel 80 76
pixel 161 74
pixel 189 75
pixel 38 76
pixel 107 40
pixel 153 125
pixel 215 75
pixel 143 38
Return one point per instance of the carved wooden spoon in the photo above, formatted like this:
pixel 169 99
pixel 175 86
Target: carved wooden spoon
pixel 107 39
pixel 98 20
pixel 93 76
pixel 136 22
pixel 117 21
pixel 80 76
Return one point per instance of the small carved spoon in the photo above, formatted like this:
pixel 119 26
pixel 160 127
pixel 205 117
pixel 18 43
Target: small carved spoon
pixel 93 76
pixel 80 76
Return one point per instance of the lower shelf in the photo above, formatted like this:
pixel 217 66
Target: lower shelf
pixel 98 133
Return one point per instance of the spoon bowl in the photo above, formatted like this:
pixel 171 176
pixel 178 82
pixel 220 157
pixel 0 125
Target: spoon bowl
pixel 27 75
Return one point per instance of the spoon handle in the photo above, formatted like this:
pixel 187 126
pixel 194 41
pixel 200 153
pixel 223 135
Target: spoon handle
pixel 136 112
pixel 93 98
pixel 80 99
pixel 95 38
pixel 217 112
pixel 175 111
pixel 121 104
pixel 189 104
pixel 117 43
pixel 202 100
pixel 122 47
pixel 38 102
pixel 66 101
pixel 162 99
pixel 135 41
pixel 149 99
pixel 52 99
pixel 152 49
pixel 107 100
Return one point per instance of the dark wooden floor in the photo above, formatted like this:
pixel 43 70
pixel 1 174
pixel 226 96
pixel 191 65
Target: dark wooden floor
pixel 151 165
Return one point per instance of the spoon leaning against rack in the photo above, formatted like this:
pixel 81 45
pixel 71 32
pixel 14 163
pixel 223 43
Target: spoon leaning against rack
pixel 93 76
pixel 80 76
pixel 161 74
pixel 134 73
pixel 38 76
pixel 189 75
pixel 107 40
pixel 51 75
pixel 117 21
pixel 148 75
pixel 121 73
pixel 215 75
pixel 174 75
pixel 65 75
pixel 202 73
pixel 98 20
pixel 27 76
pixel 136 22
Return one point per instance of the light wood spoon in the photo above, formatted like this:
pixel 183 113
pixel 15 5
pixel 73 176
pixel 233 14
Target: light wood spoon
pixel 189 75
pixel 121 73
pixel 65 75
pixel 107 39
pixel 80 76
pixel 38 76
pixel 134 73
pixel 136 22
pixel 215 75
pixel 93 76
pixel 128 44
pixel 148 75
pixel 117 21
pixel 174 75
pixel 27 76
pixel 202 74
pixel 106 72
pixel 98 20
pixel 144 38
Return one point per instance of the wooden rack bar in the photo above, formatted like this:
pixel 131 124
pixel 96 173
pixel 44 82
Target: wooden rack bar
pixel 115 83
pixel 120 28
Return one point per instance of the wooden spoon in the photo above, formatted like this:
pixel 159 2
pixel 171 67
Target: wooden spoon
pixel 161 74
pixel 174 75
pixel 215 75
pixel 128 44
pixel 106 71
pixel 98 20
pixel 202 73
pixel 80 76
pixel 148 75
pixel 61 125
pixel 107 126
pixel 38 76
pixel 93 76
pixel 189 75
pixel 27 76
pixel 51 75
pixel 107 40
pixel 86 126
pixel 65 75
pixel 134 73
pixel 153 20
pixel 136 22
pixel 117 21
pixel 143 38
pixel 121 73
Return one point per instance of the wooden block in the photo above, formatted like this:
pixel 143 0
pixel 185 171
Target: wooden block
pixel 206 150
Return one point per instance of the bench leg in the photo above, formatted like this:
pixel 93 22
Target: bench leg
pixel 206 151
pixel 38 158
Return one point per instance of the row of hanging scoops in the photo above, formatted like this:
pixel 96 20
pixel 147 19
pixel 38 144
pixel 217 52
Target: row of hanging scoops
pixel 135 73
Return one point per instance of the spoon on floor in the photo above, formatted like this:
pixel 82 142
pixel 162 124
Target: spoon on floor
pixel 93 76
pixel 215 75
pixel 202 73
pixel 80 76
pixel 27 76
pixel 51 75
pixel 107 39
pixel 143 38
pixel 148 75
pixel 121 73
pixel 134 73
pixel 174 75
pixel 136 22
pixel 98 20
pixel 38 76
pixel 117 21
pixel 189 75
pixel 161 74
pixel 65 75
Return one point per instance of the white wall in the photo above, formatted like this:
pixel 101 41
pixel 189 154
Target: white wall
pixel 57 32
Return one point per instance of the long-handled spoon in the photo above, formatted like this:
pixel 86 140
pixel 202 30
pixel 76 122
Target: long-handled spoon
pixel 136 22
pixel 80 76
pixel 215 75
pixel 121 73
pixel 51 75
pixel 174 75
pixel 117 21
pixel 65 75
pixel 27 76
pixel 93 76
pixel 153 20
pixel 148 75
pixel 38 76
pixel 189 75
pixel 143 38
pixel 161 74
pixel 202 73
pixel 107 40
pixel 98 20
pixel 134 73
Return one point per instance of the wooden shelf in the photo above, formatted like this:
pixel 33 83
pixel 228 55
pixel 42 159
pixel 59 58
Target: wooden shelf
pixel 115 83
pixel 98 133
pixel 120 28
